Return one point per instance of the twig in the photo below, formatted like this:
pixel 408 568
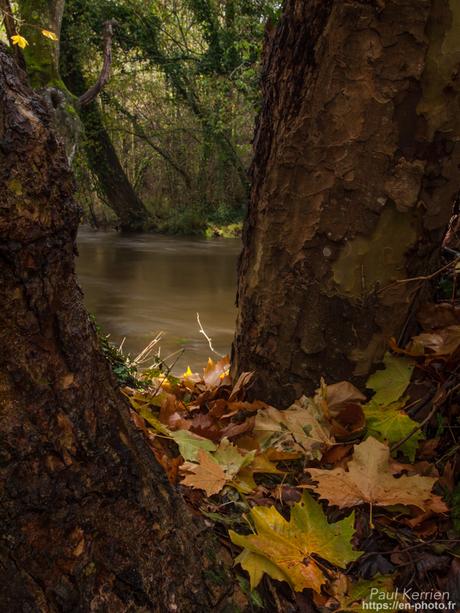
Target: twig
pixel 147 351
pixel 421 278
pixel 436 402
pixel 165 376
pixel 207 337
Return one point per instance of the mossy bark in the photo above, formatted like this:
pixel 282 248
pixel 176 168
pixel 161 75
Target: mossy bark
pixel 355 171
pixel 42 57
pixel 101 155
pixel 88 521
pixel 42 54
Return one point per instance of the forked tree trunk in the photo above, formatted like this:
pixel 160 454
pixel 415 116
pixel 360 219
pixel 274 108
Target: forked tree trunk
pixel 356 167
pixel 88 521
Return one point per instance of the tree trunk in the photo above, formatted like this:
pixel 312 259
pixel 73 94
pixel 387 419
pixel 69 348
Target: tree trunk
pixel 355 171
pixel 100 152
pixel 42 54
pixel 87 518
pixel 43 69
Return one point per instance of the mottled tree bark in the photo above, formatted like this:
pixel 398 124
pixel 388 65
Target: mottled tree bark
pixel 356 167
pixel 88 521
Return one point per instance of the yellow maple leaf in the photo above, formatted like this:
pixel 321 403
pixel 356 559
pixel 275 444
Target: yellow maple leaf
pixel 50 35
pixel 20 41
pixel 283 549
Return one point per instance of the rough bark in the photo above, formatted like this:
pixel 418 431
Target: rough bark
pixel 88 521
pixel 354 174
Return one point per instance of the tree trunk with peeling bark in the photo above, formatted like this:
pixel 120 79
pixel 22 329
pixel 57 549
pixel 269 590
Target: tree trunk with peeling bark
pixel 356 167
pixel 88 521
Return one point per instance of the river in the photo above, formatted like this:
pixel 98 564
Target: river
pixel 139 285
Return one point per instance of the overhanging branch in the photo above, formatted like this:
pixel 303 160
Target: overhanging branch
pixel 92 93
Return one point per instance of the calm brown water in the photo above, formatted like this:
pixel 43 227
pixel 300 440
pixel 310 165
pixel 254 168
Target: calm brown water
pixel 139 285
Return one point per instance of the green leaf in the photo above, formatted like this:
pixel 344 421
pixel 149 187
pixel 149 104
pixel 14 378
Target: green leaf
pixel 377 589
pixel 391 424
pixel 189 444
pixel 284 549
pixel 153 420
pixel 230 459
pixel 391 383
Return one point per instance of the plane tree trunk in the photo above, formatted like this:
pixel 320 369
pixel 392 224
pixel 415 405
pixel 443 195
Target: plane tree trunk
pixel 88 521
pixel 355 170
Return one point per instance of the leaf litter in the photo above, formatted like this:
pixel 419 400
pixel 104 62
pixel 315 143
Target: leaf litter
pixel 340 495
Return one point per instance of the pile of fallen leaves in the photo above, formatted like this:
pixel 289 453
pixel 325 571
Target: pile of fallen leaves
pixel 345 495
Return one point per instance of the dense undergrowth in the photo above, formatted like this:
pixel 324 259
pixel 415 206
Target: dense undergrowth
pixel 348 497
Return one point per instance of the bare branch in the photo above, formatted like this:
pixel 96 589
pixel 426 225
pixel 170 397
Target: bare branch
pixel 207 337
pixel 92 93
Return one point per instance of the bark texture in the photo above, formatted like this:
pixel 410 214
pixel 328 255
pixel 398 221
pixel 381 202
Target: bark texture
pixel 88 521
pixel 354 175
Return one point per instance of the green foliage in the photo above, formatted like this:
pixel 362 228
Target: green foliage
pixel 181 101
pixel 125 372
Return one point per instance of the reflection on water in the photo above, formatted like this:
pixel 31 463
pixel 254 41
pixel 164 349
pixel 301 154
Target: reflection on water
pixel 139 285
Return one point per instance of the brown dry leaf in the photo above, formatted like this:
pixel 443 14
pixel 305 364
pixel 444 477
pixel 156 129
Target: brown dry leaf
pixel 349 422
pixel 301 427
pixel 369 480
pixel 432 316
pixel 243 380
pixel 340 394
pixel 206 426
pixel 439 342
pixel 207 475
pixel 337 455
pixel 215 372
pixel 235 429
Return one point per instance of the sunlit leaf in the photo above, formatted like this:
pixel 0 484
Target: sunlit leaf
pixel 20 41
pixel 50 35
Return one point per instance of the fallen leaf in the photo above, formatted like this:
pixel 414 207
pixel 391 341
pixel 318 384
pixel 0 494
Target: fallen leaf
pixel 391 383
pixel 339 394
pixel 283 549
pixel 243 380
pixel 300 427
pixel 391 424
pixel 439 342
pixel 212 374
pixel 190 444
pixel 369 480
pixel 433 316
pixel 230 459
pixel 348 423
pixel 207 475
